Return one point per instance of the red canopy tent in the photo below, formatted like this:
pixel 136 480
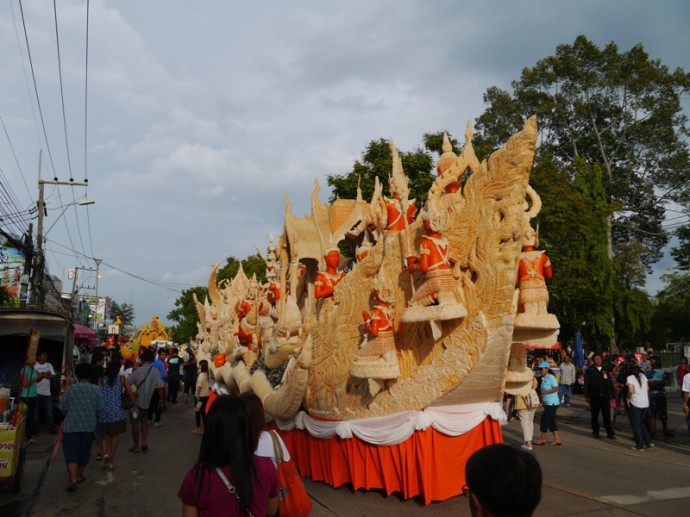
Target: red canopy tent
pixel 84 333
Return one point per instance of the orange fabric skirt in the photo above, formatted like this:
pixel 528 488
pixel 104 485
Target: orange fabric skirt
pixel 428 463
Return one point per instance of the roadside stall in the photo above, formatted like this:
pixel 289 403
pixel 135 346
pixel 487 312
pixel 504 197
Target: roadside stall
pixel 12 449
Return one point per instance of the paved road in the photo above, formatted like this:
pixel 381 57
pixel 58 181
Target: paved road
pixel 583 477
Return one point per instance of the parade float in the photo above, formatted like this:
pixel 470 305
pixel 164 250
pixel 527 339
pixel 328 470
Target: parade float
pixel 388 371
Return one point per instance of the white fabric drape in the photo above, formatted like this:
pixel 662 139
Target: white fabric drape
pixel 396 428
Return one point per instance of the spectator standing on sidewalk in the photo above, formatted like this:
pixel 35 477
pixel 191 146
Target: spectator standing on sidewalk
pixel 81 403
pixel 29 379
pixel 549 399
pixel 46 373
pixel 638 402
pixel 599 393
pixel 565 388
pixel 201 397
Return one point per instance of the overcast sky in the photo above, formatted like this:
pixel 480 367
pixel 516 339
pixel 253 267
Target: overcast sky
pixel 201 115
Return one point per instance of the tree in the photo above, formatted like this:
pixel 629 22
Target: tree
pixel 124 311
pixel 185 314
pixel 377 162
pixel 252 265
pixel 572 232
pixel 671 319
pixel 681 253
pixel 620 111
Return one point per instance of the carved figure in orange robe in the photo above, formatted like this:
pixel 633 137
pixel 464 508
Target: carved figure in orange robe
pixel 381 325
pixel 533 271
pixel 394 211
pixel 325 282
pixel 377 358
pixel 434 261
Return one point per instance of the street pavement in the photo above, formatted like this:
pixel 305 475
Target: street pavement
pixel 583 477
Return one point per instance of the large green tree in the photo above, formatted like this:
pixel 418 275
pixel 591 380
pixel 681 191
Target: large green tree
pixel 125 311
pixel 377 161
pixel 620 111
pixel 681 253
pixel 185 314
pixel 671 321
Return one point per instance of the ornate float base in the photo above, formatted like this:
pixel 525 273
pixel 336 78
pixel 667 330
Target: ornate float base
pixel 429 463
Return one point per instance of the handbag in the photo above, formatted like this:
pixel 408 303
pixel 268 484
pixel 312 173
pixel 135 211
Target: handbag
pixel 531 400
pixel 294 499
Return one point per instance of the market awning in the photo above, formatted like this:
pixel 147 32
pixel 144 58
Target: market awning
pixel 22 322
pixel 84 332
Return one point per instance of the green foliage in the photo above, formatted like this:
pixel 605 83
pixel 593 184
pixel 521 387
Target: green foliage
pixel 619 110
pixel 185 314
pixel 124 311
pixel 681 253
pixel 671 319
pixel 620 115
pixel 377 161
pixel 252 265
pixel 572 228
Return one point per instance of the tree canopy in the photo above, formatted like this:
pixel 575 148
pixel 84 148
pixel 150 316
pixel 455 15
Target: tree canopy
pixel 621 114
pixel 377 161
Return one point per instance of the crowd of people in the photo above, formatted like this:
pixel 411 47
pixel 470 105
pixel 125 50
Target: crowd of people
pixel 633 385
pixel 94 408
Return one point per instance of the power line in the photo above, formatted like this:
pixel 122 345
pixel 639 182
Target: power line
pixel 38 100
pixel 14 154
pixel 62 92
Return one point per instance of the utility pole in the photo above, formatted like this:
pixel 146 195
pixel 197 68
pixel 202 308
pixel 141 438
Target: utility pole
pixel 39 266
pixel 98 300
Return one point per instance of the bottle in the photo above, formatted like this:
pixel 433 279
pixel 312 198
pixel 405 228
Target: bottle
pixel 135 413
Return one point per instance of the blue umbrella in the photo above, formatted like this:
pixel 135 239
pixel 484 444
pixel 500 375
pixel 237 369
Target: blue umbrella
pixel 579 352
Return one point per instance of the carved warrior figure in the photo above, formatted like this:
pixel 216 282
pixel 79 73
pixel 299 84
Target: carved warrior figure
pixel 325 283
pixel 533 297
pixel 400 210
pixel 377 358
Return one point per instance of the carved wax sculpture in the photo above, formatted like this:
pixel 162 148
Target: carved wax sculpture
pixel 448 158
pixel 325 283
pixel 473 240
pixel 377 358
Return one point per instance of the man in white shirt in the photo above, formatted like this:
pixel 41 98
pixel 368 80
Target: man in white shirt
pixel 565 391
pixel 46 374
